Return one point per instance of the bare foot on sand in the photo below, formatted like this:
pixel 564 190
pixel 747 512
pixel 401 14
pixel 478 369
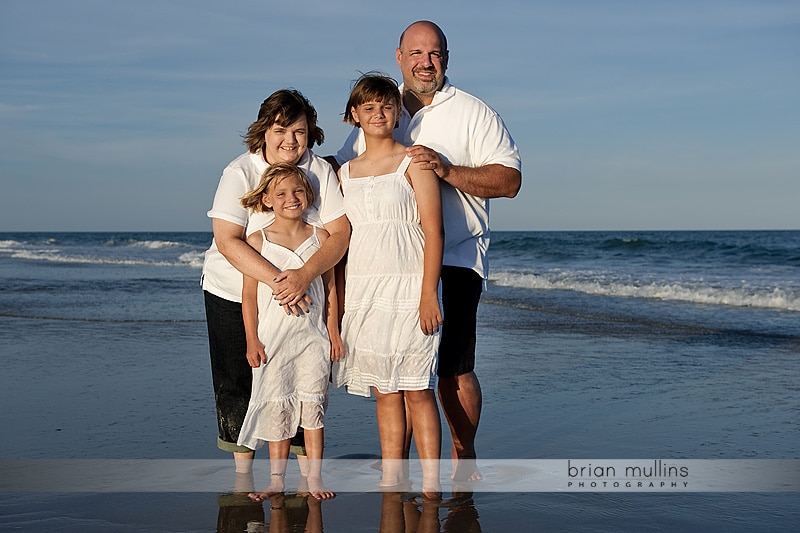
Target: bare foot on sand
pixel 276 487
pixel 466 469
pixel 393 475
pixel 317 489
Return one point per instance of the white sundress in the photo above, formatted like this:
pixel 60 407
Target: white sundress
pixel 384 345
pixel 291 389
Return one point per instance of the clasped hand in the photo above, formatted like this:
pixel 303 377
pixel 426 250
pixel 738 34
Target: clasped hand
pixel 289 289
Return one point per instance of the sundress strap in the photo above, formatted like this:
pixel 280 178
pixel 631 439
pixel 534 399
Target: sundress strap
pixel 404 164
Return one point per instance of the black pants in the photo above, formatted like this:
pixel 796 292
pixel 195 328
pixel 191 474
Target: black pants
pixel 231 374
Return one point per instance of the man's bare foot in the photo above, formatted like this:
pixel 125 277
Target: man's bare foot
pixel 275 488
pixel 466 469
pixel 317 489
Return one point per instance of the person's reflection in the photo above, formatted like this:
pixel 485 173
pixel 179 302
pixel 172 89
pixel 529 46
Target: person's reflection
pixel 237 512
pixel 406 513
pixel 292 512
pixel 462 516
pixel 403 513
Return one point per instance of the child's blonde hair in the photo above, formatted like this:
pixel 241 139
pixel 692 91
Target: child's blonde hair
pixel 269 179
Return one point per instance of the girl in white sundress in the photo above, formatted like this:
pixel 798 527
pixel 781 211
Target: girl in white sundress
pixel 290 355
pixel 390 326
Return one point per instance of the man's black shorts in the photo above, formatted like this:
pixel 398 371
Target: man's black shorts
pixel 461 292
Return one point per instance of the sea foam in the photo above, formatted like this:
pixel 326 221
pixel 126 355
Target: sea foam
pixel 744 296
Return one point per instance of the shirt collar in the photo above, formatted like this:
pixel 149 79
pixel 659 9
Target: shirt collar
pixel 445 93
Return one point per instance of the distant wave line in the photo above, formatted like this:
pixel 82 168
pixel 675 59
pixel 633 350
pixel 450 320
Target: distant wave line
pixel 189 259
pixel 154 245
pixel 133 243
pixel 101 320
pixel 776 299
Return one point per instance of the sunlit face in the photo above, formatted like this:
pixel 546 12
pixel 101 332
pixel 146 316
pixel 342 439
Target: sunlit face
pixel 423 61
pixel 288 198
pixel 376 118
pixel 286 144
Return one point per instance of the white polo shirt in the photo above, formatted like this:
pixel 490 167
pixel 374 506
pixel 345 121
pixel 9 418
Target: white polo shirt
pixel 466 132
pixel 241 176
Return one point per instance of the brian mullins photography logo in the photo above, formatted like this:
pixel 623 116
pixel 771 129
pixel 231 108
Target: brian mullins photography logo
pixel 620 474
pixel 358 475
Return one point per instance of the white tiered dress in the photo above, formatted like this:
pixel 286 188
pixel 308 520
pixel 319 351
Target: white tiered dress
pixel 291 389
pixel 384 345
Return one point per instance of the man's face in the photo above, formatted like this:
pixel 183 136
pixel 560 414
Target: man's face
pixel 423 61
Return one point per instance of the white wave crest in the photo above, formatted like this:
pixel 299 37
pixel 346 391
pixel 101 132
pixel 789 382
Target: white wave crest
pixel 154 245
pixel 57 258
pixel 776 298
pixel 6 245
pixel 192 259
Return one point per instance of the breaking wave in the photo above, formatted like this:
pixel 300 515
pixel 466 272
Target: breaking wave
pixel 744 296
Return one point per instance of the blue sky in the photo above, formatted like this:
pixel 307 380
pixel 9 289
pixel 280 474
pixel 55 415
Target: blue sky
pixel 628 114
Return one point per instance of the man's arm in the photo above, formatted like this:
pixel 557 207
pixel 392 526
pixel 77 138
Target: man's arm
pixel 488 181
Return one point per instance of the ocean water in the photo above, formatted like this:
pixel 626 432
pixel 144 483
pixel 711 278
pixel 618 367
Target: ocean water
pixel 744 280
pixel 714 271
pixel 591 345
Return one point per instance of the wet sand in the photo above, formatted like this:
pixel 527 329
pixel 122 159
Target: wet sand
pixel 554 388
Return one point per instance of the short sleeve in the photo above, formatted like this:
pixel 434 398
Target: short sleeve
pixel 331 201
pixel 232 186
pixel 494 145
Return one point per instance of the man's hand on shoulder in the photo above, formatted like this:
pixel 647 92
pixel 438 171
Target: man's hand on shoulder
pixel 428 159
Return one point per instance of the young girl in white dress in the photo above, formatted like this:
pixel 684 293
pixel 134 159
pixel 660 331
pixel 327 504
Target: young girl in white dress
pixel 290 355
pixel 392 314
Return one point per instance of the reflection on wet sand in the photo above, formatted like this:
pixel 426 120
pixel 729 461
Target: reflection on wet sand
pixel 401 512
pixel 462 516
pixel 237 512
pixel 290 512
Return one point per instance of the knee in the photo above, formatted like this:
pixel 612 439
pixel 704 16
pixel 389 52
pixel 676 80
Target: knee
pixel 459 382
pixel 417 397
